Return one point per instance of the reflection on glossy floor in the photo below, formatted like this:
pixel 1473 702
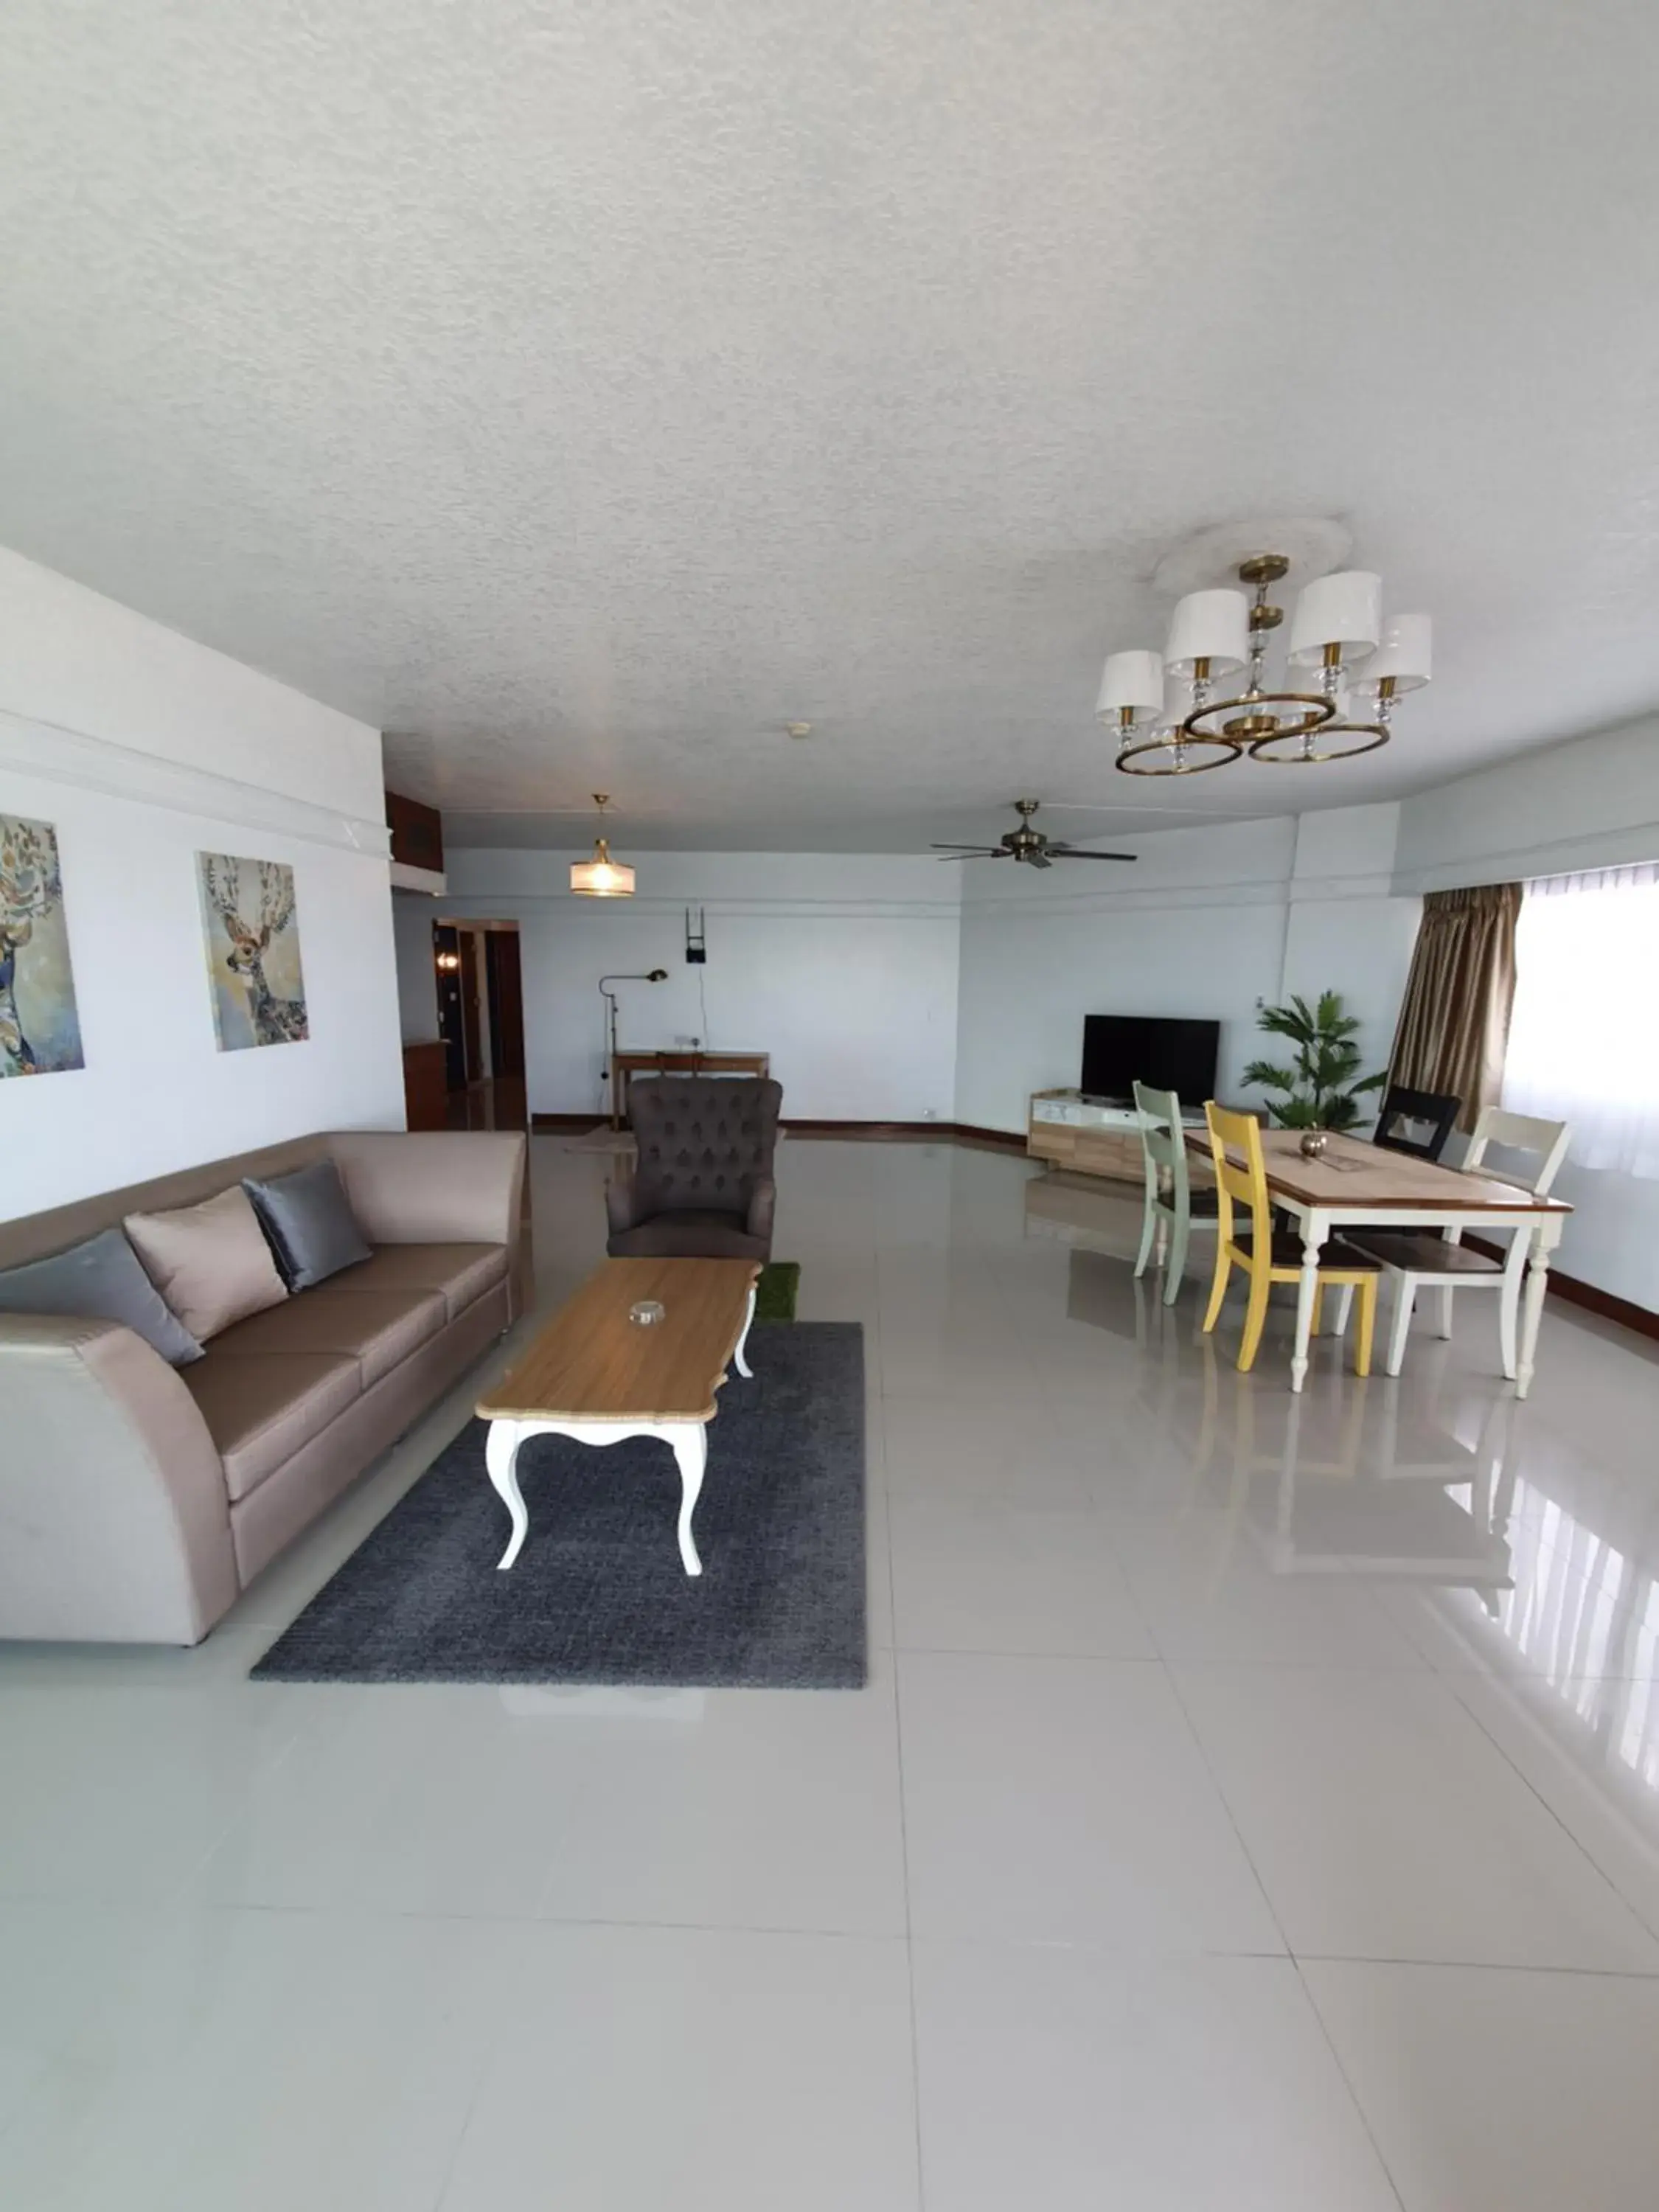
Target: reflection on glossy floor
pixel 1256 1804
pixel 496 1102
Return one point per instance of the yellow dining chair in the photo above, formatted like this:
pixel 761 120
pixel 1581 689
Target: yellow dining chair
pixel 1265 1258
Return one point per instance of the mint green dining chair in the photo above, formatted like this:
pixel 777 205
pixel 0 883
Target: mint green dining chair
pixel 1172 1206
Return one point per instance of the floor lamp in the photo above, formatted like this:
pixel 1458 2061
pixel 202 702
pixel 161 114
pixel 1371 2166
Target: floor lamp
pixel 656 976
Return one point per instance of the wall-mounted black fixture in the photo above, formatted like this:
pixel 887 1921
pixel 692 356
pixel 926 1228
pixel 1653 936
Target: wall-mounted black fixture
pixel 696 942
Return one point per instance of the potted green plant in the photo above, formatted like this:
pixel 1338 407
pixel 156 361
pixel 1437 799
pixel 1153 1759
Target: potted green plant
pixel 1322 1087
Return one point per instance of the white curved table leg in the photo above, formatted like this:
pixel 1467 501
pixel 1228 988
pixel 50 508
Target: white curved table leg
pixel 690 1442
pixel 738 1359
pixel 501 1457
pixel 1314 1230
pixel 1532 1308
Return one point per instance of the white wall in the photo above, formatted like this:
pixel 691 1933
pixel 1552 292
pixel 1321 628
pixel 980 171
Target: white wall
pixel 412 916
pixel 1593 803
pixel 1208 923
pixel 1346 928
pixel 142 749
pixel 843 967
pixel 887 989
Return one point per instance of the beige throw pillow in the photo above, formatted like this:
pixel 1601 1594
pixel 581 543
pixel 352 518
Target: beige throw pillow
pixel 210 1262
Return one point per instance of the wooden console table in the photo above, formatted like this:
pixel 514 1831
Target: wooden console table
pixel 625 1065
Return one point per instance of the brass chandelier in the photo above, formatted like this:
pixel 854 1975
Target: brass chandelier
pixel 1345 667
pixel 601 876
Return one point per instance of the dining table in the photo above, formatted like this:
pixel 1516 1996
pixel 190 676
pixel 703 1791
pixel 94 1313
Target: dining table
pixel 1354 1184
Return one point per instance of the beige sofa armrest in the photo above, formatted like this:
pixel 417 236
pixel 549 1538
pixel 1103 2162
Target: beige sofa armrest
pixel 114 1526
pixel 439 1187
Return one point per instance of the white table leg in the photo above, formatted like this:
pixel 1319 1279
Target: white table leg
pixel 1538 1276
pixel 500 1458
pixel 690 1442
pixel 1314 1230
pixel 1404 1296
pixel 738 1359
pixel 1509 1304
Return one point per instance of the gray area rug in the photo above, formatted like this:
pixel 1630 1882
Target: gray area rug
pixel 598 1594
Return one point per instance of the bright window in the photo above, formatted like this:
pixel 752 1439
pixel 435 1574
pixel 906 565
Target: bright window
pixel 1584 1035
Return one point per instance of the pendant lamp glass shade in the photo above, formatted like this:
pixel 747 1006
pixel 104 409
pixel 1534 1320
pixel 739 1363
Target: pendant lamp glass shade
pixel 1344 611
pixel 1213 625
pixel 1134 680
pixel 1406 654
pixel 601 876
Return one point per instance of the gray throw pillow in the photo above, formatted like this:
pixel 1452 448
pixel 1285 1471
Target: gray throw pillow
pixel 308 1219
pixel 102 1280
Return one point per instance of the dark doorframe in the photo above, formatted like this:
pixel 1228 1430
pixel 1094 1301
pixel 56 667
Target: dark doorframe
pixel 446 948
pixel 506 1000
pixel 471 988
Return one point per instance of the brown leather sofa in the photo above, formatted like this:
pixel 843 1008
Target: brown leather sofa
pixel 704 1187
pixel 137 1499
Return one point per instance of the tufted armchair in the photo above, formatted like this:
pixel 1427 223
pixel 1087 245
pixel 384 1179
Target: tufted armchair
pixel 703 1188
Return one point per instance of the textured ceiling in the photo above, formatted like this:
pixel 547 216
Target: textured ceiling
pixel 581 393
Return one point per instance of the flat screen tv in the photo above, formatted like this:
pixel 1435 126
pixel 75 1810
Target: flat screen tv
pixel 1120 1050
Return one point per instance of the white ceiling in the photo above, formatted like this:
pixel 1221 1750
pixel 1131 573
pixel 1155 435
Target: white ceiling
pixel 581 393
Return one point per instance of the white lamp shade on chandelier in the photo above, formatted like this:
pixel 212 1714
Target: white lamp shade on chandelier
pixel 1344 612
pixel 1213 626
pixel 1343 671
pixel 1134 680
pixel 1404 657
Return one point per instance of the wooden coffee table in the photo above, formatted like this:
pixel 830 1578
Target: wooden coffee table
pixel 594 1375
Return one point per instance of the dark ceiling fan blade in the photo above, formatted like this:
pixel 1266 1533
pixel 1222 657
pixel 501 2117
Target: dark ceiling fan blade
pixel 1038 860
pixel 987 852
pixel 1080 853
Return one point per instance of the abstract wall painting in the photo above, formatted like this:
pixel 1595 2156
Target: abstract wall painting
pixel 39 1022
pixel 253 951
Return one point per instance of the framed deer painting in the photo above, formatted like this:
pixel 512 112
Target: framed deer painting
pixel 253 951
pixel 40 1026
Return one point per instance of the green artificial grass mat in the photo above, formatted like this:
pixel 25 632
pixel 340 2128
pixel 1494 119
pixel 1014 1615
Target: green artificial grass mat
pixel 774 1297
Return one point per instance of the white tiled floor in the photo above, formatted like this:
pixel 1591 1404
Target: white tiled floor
pixel 1065 1800
pixel 1255 1803
pixel 1058 2074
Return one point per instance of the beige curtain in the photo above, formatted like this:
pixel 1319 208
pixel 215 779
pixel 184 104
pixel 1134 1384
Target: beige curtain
pixel 1455 1022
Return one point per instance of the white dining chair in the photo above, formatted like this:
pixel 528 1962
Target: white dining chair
pixel 1173 1207
pixel 1421 1260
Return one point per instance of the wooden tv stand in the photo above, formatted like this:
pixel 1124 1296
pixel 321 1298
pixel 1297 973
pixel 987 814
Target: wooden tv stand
pixel 1067 1130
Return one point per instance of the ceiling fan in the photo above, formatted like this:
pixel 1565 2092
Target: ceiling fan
pixel 1027 844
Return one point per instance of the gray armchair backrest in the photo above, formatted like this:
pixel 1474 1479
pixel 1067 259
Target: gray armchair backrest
pixel 704 1140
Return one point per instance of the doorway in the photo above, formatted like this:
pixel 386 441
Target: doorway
pixel 504 1002
pixel 481 1016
